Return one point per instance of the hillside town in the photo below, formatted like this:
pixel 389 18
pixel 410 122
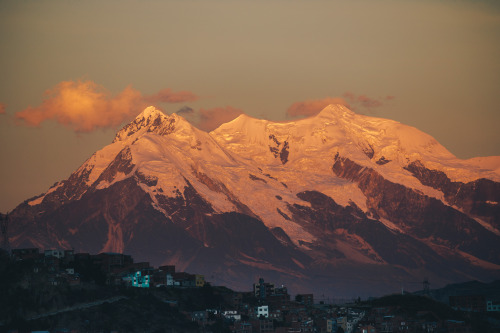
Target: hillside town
pixel 265 307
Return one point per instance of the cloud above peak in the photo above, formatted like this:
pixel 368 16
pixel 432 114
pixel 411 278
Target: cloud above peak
pixel 365 101
pixel 312 107
pixel 209 119
pixel 168 96
pixel 354 102
pixel 85 106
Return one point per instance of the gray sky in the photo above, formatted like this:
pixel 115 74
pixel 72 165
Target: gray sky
pixel 430 64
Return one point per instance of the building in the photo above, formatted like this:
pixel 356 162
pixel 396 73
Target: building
pixel 266 326
pixel 140 281
pixel 199 316
pixel 367 329
pixel 231 315
pixel 183 279
pixel 24 254
pixel 262 310
pixel 473 303
pixel 262 290
pixel 242 327
pixel 54 253
pixel 169 280
pixel 110 262
pixel 306 299
pixel 493 306
pixel 331 326
pixel 199 280
pixel 168 269
pixel 342 322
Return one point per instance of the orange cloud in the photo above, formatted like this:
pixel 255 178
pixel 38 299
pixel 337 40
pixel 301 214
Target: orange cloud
pixel 210 119
pixel 86 106
pixel 2 108
pixel 313 107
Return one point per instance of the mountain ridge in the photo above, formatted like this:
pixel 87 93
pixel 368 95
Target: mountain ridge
pixel 311 187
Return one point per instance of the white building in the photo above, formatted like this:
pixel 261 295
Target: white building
pixel 231 314
pixel 262 310
pixel 170 280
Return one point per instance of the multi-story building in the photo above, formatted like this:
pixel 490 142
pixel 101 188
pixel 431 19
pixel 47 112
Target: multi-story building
pixel 262 290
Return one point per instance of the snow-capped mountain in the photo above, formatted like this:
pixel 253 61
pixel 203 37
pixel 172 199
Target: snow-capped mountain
pixel 338 204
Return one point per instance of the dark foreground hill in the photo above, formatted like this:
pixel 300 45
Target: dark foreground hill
pixel 30 302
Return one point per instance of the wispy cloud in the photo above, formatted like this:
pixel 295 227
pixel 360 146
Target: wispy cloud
pixel 353 101
pixel 168 96
pixel 365 101
pixel 185 111
pixel 85 106
pixel 2 108
pixel 210 119
pixel 312 107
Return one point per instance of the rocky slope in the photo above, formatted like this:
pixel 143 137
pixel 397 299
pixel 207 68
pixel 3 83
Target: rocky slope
pixel 338 204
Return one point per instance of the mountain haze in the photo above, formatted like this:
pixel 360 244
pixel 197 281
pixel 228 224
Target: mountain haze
pixel 338 204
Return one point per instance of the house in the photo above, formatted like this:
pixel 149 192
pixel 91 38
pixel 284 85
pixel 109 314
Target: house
pixel 199 280
pixel 183 279
pixel 140 281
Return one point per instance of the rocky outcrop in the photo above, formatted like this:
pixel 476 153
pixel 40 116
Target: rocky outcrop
pixel 479 198
pixel 278 148
pixel 418 215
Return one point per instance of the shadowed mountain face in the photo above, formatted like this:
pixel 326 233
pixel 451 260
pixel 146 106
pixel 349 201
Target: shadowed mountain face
pixel 338 204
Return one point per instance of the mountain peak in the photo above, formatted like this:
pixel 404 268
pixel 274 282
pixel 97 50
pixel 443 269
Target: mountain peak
pixel 150 112
pixel 336 111
pixel 149 120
